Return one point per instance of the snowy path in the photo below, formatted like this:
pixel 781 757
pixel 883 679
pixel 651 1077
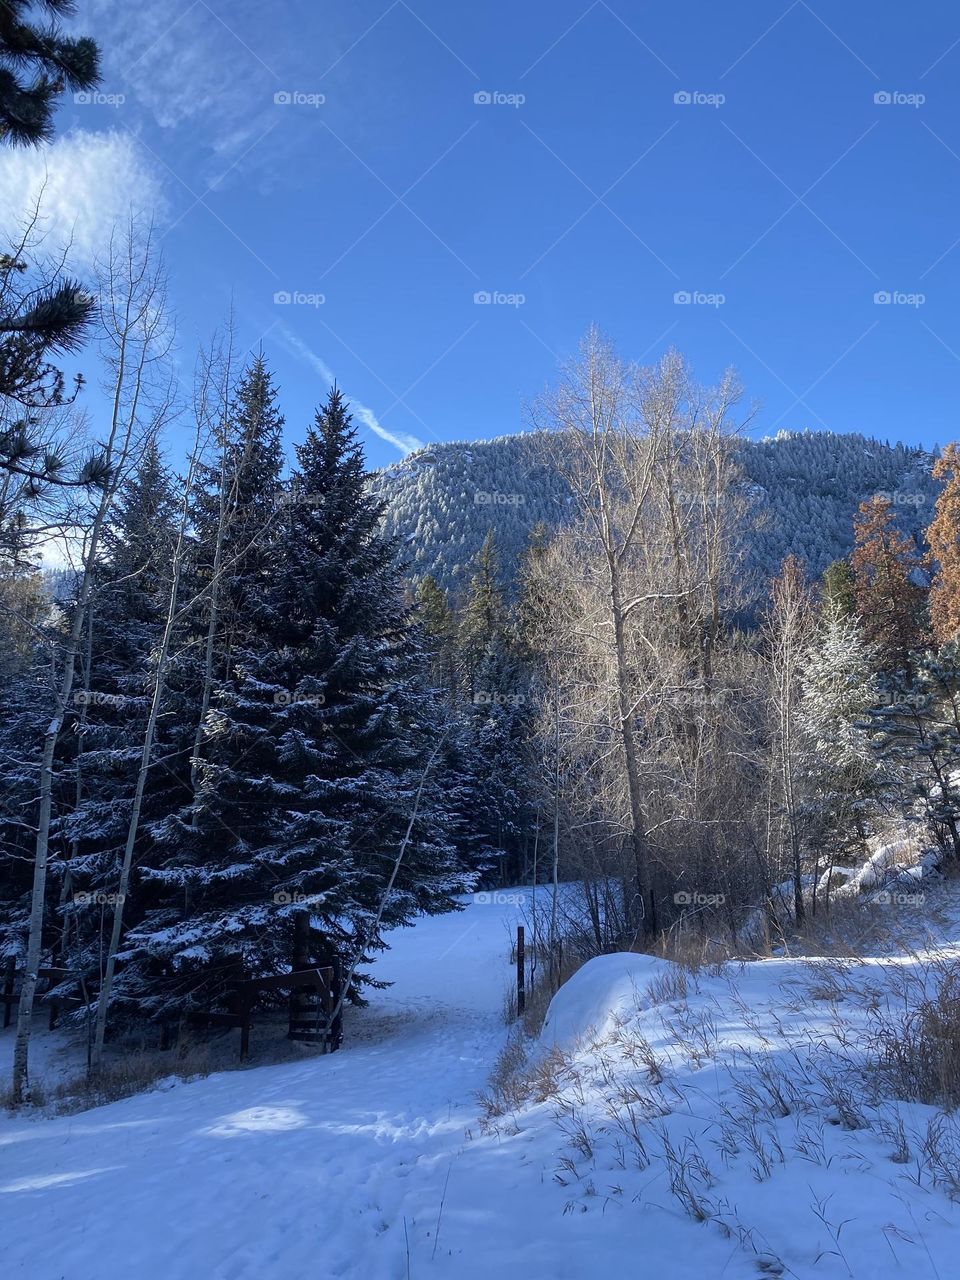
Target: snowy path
pixel 338 1167
pixel 294 1170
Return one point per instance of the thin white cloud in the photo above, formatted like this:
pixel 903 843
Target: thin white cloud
pixel 187 65
pixel 400 440
pixel 301 349
pixel 86 183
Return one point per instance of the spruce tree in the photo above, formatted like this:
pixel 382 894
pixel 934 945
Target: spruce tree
pixel 494 684
pixel 317 736
pixel 838 590
pixel 236 514
pixel 916 735
pixel 838 689
pixel 440 632
pixel 484 613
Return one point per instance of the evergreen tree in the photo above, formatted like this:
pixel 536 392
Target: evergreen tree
pixel 316 742
pixel 23 604
pixel 26 705
pixel 53 61
pixel 37 317
pixel 916 735
pixel 838 689
pixel 440 633
pixel 236 515
pixel 498 728
pixel 484 615
pixel 838 590
pixel 495 683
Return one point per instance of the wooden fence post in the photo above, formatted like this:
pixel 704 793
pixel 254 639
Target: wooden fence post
pixel 336 1026
pixel 521 967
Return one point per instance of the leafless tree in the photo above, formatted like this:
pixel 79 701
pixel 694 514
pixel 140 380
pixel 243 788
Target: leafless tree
pixel 644 581
pixel 135 341
pixel 788 631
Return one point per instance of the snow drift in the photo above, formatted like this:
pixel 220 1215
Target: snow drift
pixel 600 995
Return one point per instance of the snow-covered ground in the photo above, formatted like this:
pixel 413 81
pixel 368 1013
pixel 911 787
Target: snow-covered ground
pixel 373 1163
pixel 330 1167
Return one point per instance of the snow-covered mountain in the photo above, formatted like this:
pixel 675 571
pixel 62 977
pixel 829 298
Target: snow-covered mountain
pixel 805 488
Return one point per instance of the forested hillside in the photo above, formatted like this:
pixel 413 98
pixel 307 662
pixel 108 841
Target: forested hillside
pixel 803 491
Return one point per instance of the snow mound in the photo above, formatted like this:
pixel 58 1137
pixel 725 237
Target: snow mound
pixel 599 995
pixel 834 879
pixel 887 860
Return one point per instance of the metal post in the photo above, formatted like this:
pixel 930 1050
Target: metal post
pixel 521 991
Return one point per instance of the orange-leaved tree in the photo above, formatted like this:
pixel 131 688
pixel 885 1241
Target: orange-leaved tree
pixel 943 537
pixel 890 593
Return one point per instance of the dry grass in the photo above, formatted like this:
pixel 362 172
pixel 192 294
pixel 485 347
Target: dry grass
pixel 671 987
pixel 120 1077
pixel 38 1096
pixel 520 1077
pixel 917 1044
pixel 695 951
pixel 124 1076
pixel 856 925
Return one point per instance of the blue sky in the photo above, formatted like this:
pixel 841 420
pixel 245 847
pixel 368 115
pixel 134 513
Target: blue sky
pixel 779 193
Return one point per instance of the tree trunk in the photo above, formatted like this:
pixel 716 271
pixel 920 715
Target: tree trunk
pixel 159 684
pixel 648 911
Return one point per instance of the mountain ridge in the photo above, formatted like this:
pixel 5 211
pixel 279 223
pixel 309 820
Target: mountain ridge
pixel 806 486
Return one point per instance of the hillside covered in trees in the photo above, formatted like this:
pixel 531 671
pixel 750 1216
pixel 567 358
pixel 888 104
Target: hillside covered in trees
pixel 802 489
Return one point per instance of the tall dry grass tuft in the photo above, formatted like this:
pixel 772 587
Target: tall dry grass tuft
pixel 917 1044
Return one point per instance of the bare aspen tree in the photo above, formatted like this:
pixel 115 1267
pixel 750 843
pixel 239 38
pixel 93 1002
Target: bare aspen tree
pixel 211 406
pixel 134 342
pixel 610 480
pixel 160 669
pixel 788 631
pixel 648 565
